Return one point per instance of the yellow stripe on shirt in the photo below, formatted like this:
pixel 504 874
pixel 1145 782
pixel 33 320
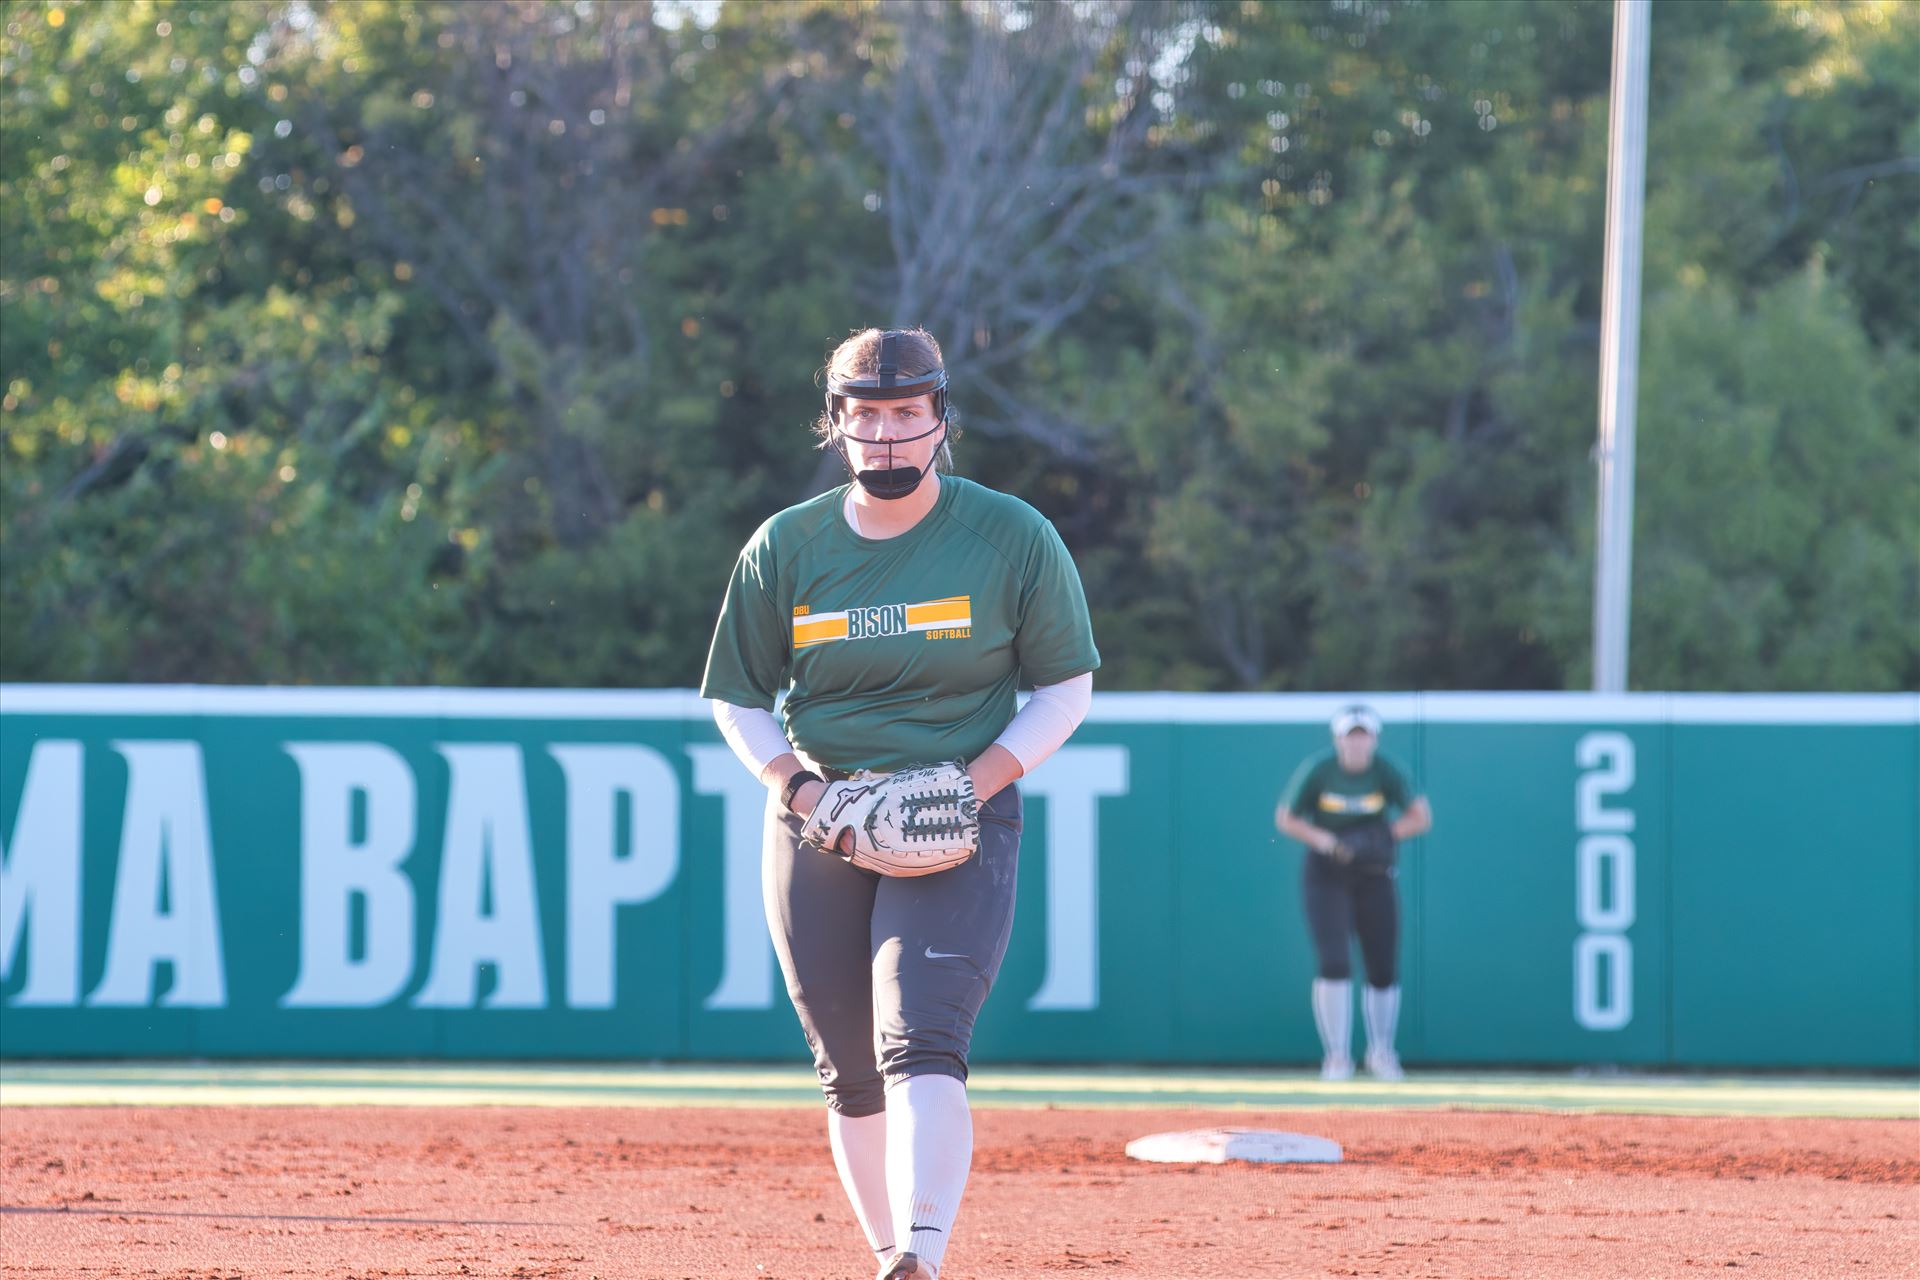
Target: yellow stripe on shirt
pixel 819 628
pixel 954 611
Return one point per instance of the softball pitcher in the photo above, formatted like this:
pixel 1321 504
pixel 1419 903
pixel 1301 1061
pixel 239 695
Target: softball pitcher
pixel 1340 804
pixel 898 614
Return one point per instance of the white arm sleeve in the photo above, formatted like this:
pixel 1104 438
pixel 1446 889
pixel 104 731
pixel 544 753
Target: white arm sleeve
pixel 754 735
pixel 1051 715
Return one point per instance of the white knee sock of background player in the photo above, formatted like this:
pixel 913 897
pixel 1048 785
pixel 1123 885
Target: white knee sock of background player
pixel 929 1150
pixel 1333 1015
pixel 860 1154
pixel 1381 1008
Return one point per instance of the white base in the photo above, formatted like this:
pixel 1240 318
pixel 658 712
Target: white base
pixel 1217 1146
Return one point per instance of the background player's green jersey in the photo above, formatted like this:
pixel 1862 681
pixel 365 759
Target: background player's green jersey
pixel 900 650
pixel 1331 798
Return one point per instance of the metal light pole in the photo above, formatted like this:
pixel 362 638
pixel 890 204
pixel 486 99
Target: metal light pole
pixel 1620 343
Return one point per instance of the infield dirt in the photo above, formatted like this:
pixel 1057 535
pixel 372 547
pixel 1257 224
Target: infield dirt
pixel 655 1193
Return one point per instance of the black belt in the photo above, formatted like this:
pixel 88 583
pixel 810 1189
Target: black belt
pixel 833 775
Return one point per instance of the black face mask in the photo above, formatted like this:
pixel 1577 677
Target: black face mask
pixel 889 482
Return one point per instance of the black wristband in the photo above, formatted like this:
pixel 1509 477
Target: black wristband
pixel 793 785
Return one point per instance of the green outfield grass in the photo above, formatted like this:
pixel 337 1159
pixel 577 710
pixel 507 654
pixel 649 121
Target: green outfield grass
pixel 443 1085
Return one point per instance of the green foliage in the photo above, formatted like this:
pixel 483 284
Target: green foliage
pixel 1768 557
pixel 436 342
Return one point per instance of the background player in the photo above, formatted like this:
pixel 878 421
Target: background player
pixel 1340 804
pixel 897 613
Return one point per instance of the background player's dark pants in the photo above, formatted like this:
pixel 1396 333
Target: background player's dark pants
pixel 1342 901
pixel 888 974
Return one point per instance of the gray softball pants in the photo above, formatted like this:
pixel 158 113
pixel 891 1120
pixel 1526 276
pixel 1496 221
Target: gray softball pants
pixel 888 974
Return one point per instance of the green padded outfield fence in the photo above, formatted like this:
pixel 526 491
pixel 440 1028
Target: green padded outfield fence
pixel 1647 880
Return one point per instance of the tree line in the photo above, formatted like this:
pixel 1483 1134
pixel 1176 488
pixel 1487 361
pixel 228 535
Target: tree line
pixel 435 342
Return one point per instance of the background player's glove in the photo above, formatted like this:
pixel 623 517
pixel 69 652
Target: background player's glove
pixel 910 823
pixel 1369 846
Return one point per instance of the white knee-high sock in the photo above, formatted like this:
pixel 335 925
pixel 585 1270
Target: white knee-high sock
pixel 1381 1005
pixel 929 1150
pixel 860 1154
pixel 1333 1015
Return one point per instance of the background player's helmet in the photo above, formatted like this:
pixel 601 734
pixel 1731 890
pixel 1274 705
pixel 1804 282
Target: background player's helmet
pixel 1355 717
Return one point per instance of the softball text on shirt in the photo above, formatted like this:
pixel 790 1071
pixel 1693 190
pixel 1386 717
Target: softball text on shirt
pixel 902 650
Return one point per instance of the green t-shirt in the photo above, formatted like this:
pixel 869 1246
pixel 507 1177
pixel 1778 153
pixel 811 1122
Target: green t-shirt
pixel 1331 798
pixel 899 651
